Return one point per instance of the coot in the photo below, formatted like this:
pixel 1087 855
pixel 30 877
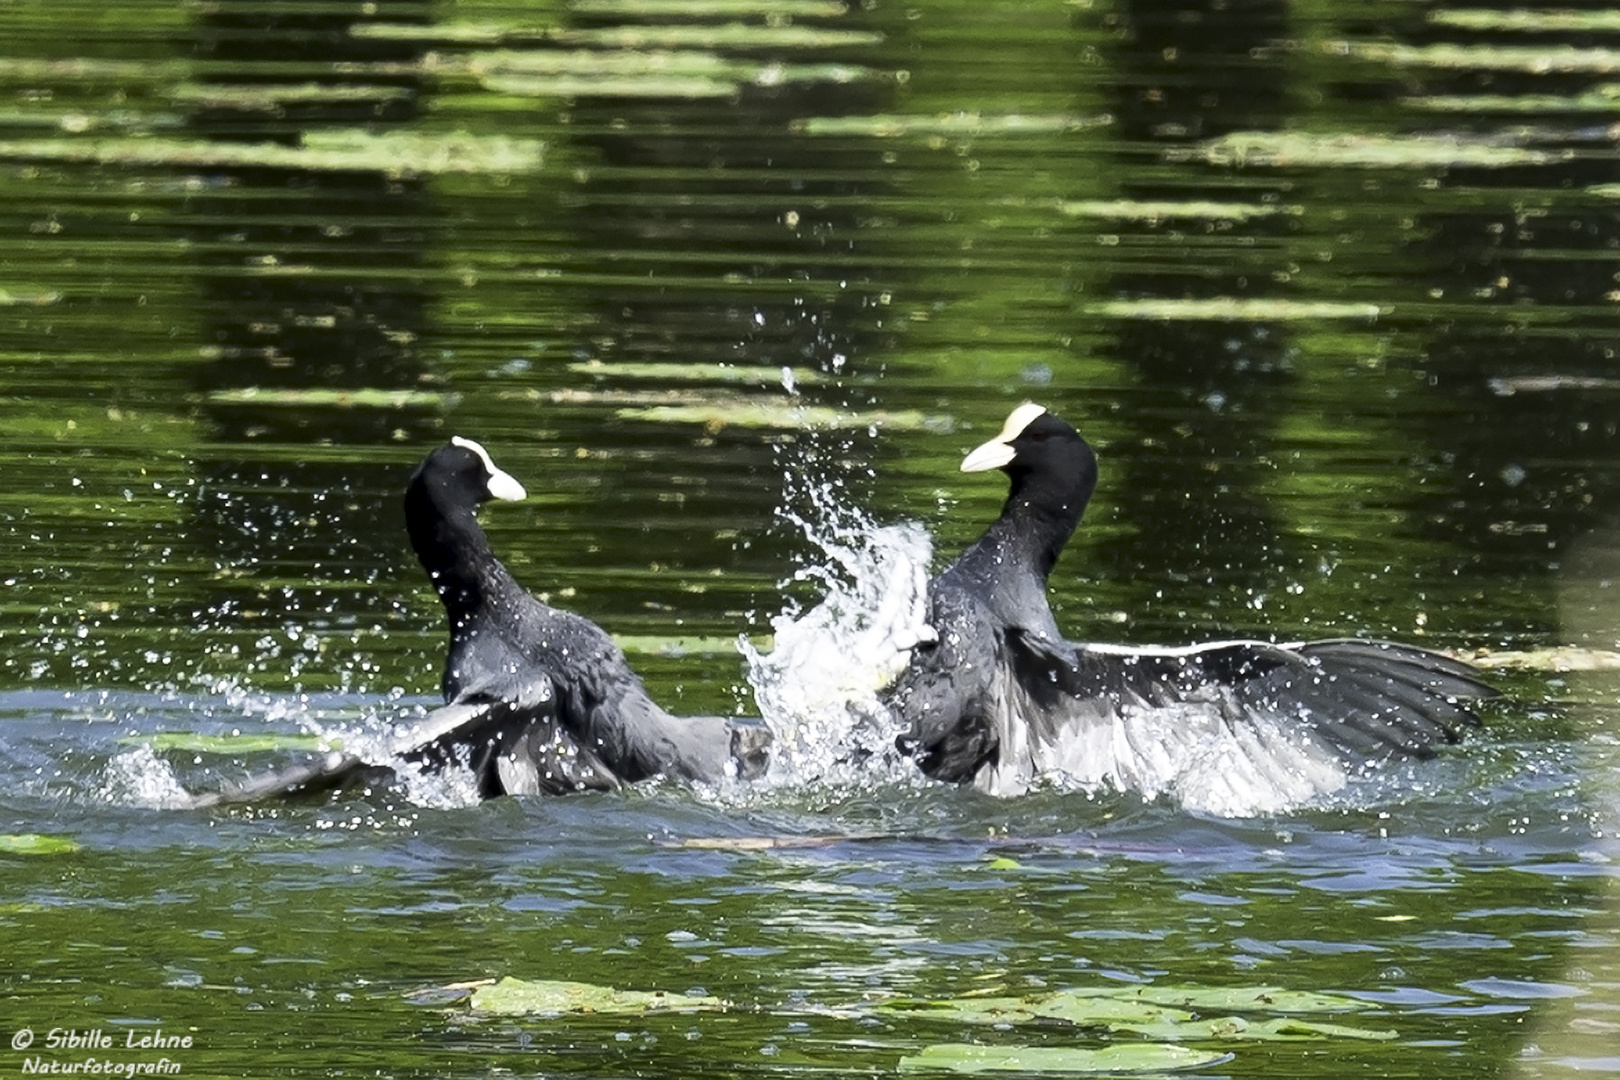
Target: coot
pixel 537 700
pixel 999 699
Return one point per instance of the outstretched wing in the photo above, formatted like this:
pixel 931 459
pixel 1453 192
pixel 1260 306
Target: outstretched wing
pixel 510 736
pixel 1232 727
pixel 1369 699
pixel 335 768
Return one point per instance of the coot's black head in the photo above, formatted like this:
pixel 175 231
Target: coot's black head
pixel 439 503
pixel 1039 450
pixel 1052 472
pixel 461 475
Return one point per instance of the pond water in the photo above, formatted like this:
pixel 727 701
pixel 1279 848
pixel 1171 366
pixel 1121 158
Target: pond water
pixel 731 285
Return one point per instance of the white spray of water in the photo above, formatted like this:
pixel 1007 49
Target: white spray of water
pixel 139 777
pixel 818 688
pixel 377 741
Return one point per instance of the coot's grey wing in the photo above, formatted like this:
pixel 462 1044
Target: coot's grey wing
pixel 944 697
pixel 505 729
pixel 1369 699
pixel 1232 727
pixel 605 709
pixel 524 741
pixel 319 773
pixel 334 768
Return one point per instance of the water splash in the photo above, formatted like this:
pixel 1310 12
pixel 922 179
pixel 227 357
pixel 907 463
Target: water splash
pixel 376 741
pixel 139 777
pixel 818 688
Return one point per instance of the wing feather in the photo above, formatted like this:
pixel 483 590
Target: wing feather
pixel 1233 727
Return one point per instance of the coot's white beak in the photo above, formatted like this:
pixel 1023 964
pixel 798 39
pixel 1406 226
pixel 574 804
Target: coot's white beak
pixel 999 451
pixel 501 483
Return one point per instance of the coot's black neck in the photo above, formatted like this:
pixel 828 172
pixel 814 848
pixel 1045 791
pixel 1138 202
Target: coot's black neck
pixel 1041 513
pixel 453 550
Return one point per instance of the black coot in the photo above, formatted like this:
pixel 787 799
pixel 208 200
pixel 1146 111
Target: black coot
pixel 998 698
pixel 537 700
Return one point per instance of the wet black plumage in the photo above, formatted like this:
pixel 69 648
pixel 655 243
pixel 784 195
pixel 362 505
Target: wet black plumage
pixel 998 698
pixel 537 700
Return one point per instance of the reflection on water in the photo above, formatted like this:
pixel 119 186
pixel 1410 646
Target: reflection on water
pixel 1348 369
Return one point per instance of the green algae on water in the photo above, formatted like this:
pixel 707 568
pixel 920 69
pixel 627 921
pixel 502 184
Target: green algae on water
pixel 976 1058
pixel 330 397
pixel 556 997
pixel 268 98
pixel 454 32
pixel 772 10
pixel 1160 210
pixel 720 374
pixel 393 153
pixel 28 299
pixel 191 742
pixel 1299 148
pixel 661 645
pixel 1532 59
pixel 1167 1013
pixel 36 844
pixel 949 124
pixel 736 35
pixel 785 417
pixel 1603 99
pixel 1232 309
pixel 1525 21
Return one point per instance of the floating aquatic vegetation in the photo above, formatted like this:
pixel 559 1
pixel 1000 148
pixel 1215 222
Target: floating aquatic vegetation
pixel 1534 59
pixel 330 397
pixel 975 1058
pixel 699 9
pixel 555 997
pixel 394 153
pixel 1606 191
pixel 36 844
pixel 691 88
pixel 1158 210
pixel 24 299
pixel 454 32
pixel 659 645
pixel 1605 98
pixel 716 410
pixel 786 416
pixel 1233 309
pixel 952 124
pixel 1167 1013
pixel 93 69
pixel 191 742
pixel 724 374
pixel 1521 20
pixel 1508 385
pixel 680 73
pixel 1557 658
pixel 271 97
pixel 735 35
pixel 598 63
pixel 75 122
pixel 1287 148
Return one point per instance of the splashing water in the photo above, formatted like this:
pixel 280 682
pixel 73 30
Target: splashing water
pixel 139 777
pixel 818 688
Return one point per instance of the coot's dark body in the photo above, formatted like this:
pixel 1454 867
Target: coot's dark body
pixel 537 700
pixel 998 698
